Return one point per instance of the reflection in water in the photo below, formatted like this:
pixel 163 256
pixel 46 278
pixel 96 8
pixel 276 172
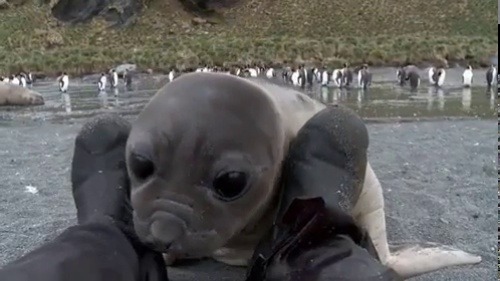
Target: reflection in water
pixel 336 94
pixel 441 100
pixel 466 99
pixel 493 94
pixel 116 92
pixel 430 98
pixel 378 102
pixel 66 100
pixel 103 96
pixel 360 98
pixel 324 95
pixel 344 94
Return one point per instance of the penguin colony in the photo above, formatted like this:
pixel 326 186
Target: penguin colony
pixel 300 76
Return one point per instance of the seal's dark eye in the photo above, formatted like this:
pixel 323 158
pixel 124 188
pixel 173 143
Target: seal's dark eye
pixel 230 185
pixel 141 167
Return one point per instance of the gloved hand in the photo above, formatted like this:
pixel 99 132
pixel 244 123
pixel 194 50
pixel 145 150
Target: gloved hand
pixel 314 237
pixel 103 246
pixel 101 186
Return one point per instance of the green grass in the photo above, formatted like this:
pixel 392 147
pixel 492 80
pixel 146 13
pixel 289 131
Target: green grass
pixel 272 32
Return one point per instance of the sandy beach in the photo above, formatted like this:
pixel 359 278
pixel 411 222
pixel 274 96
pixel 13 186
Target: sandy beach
pixel 439 180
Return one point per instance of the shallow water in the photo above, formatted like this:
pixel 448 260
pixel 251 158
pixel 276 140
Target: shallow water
pixel 384 101
pixel 439 177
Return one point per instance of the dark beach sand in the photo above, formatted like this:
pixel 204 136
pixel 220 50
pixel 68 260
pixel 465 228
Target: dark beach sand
pixel 440 184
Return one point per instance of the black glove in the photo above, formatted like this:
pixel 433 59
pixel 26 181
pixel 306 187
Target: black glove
pixel 314 237
pixel 103 246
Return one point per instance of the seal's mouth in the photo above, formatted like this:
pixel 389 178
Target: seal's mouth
pixel 159 231
pixel 171 227
pixel 166 233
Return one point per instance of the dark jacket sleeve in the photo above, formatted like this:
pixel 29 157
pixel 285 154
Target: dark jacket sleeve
pixel 94 251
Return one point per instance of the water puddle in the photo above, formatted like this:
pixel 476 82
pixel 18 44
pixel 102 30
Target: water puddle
pixel 383 102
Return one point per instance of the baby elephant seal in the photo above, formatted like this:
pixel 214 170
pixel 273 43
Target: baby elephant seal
pixel 204 158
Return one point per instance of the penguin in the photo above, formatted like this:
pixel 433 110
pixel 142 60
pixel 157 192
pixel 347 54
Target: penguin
pixel 270 73
pixel 114 79
pixel 440 75
pixel 5 79
pixel 22 80
pixel 302 77
pixel 286 74
pixel 295 77
pixel 325 77
pixel 29 79
pixel 431 73
pixel 101 84
pixel 63 82
pixel 252 72
pixel 467 77
pixel 364 77
pixel 436 76
pixel 171 75
pixel 317 74
pixel 491 74
pixel 14 80
pixel 337 77
pixel 409 73
pixel 346 75
pixel 401 76
pixel 127 78
pixel 199 70
pixel 310 76
pixel 360 76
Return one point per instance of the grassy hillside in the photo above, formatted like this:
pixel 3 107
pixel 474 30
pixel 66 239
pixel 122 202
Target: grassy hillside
pixel 380 32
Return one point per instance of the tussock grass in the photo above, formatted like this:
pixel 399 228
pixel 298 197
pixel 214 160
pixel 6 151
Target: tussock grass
pixel 271 32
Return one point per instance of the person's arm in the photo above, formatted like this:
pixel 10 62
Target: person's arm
pixel 95 251
pixel 103 246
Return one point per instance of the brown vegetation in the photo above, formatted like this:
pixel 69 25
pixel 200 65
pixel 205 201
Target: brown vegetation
pixel 379 32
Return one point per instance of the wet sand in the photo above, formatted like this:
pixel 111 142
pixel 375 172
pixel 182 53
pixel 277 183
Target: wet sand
pixel 439 178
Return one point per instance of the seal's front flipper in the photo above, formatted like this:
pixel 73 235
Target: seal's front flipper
pixel 414 260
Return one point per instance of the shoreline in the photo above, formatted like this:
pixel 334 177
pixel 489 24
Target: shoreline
pixel 142 72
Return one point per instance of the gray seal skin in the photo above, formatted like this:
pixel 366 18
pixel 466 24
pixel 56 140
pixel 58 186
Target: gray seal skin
pixel 204 158
pixel 11 94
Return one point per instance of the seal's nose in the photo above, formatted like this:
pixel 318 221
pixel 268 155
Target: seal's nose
pixel 167 228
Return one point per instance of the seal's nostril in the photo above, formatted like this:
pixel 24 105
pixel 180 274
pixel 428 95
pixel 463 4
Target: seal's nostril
pixel 141 166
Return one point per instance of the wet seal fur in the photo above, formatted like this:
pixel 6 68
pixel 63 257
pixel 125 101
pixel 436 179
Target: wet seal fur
pixel 204 125
pixel 16 95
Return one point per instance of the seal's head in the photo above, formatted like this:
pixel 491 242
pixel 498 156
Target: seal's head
pixel 203 157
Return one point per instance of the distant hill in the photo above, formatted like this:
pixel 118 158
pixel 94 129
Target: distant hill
pixel 163 34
